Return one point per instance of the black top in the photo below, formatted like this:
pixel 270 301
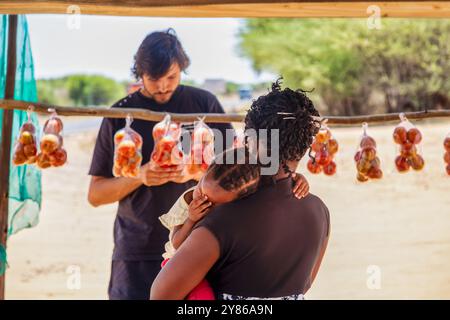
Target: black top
pixel 138 234
pixel 269 242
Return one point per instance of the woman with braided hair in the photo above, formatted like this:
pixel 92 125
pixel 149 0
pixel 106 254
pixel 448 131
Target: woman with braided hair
pixel 224 181
pixel 268 244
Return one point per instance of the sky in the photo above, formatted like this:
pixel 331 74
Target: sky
pixel 106 45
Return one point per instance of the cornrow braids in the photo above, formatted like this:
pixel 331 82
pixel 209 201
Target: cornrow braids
pixel 240 176
pixel 290 111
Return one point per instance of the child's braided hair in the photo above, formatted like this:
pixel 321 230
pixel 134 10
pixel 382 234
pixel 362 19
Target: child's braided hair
pixel 233 171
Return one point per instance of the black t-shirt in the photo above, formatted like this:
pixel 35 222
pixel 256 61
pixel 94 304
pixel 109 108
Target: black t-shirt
pixel 269 242
pixel 138 234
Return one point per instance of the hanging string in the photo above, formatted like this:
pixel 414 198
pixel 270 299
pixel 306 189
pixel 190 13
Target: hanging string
pixel 324 124
pixel 30 110
pixel 128 120
pixel 52 111
pixel 365 126
pixel 402 117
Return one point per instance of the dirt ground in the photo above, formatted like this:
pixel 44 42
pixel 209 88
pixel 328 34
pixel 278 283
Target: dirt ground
pixel 390 239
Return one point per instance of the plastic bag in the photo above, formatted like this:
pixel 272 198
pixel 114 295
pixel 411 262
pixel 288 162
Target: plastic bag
pixel 127 151
pixel 202 148
pixel 447 153
pixel 368 164
pixel 52 153
pixel 25 147
pixel 408 139
pixel 239 139
pixel 323 151
pixel 166 127
pixel 166 152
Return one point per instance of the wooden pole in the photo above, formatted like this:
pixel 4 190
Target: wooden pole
pixel 5 150
pixel 137 113
pixel 234 8
pixel 144 114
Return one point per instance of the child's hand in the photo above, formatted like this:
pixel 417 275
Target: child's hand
pixel 301 187
pixel 198 208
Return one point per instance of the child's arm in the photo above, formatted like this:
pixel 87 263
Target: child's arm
pixel 301 187
pixel 181 232
pixel 198 208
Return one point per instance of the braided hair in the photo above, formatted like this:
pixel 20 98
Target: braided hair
pixel 290 111
pixel 240 176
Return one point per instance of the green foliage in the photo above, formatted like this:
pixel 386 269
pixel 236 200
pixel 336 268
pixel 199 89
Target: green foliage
pixel 81 90
pixel 346 63
pixel 189 82
pixel 231 87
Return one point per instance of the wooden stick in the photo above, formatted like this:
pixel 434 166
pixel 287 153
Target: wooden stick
pixel 5 150
pixel 144 114
pixel 387 117
pixel 231 8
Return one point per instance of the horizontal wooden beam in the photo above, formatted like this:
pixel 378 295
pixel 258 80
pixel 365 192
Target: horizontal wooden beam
pixel 137 113
pixel 143 114
pixel 230 8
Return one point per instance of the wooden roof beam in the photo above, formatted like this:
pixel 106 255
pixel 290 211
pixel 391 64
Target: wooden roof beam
pixel 230 8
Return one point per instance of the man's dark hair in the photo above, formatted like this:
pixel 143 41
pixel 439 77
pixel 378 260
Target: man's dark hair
pixel 157 53
pixel 240 176
pixel 290 111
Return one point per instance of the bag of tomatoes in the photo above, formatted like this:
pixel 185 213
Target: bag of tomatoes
pixel 323 151
pixel 25 147
pixel 408 138
pixel 167 152
pixel 165 127
pixel 368 164
pixel 447 153
pixel 202 148
pixel 127 151
pixel 52 153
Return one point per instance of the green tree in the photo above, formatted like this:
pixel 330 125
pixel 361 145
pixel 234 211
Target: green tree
pixel 45 92
pixel 345 62
pixel 231 87
pixel 103 91
pixel 77 85
pixel 409 61
pixel 80 90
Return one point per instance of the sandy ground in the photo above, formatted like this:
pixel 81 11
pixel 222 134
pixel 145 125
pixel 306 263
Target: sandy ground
pixel 390 239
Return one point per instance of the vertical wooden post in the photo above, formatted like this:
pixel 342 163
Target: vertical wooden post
pixel 5 150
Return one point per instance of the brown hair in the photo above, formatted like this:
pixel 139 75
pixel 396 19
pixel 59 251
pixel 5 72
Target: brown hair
pixel 157 53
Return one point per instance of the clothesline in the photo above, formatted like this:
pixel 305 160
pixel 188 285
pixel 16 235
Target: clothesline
pixel 144 114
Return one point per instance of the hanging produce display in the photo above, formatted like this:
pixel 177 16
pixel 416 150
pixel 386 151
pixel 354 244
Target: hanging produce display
pixel 127 151
pixel 368 164
pixel 166 152
pixel 202 148
pixel 323 151
pixel 52 153
pixel 25 146
pixel 408 139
